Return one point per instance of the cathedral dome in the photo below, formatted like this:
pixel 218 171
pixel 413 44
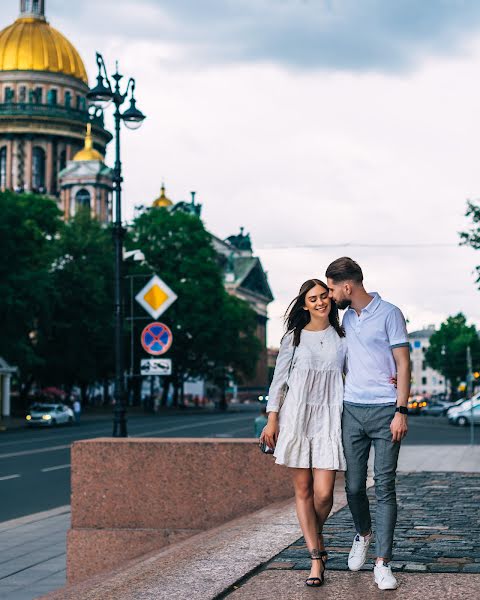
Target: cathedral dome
pixel 162 201
pixel 31 44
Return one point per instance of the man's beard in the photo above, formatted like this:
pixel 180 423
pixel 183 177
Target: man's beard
pixel 343 304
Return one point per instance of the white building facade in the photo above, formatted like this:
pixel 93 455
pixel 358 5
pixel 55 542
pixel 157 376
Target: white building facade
pixel 425 380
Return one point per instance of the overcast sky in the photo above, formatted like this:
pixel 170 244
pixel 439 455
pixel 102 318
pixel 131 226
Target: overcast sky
pixel 324 127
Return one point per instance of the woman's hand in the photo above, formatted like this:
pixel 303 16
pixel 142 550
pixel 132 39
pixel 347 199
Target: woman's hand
pixel 269 434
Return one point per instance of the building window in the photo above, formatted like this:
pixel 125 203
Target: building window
pixel 424 381
pixel 424 365
pixel 3 168
pixel 68 99
pixel 22 94
pixel 62 160
pixel 38 170
pixel 8 94
pixel 52 97
pixel 38 95
pixel 82 199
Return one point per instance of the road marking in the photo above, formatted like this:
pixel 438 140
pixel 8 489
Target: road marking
pixel 190 426
pixel 36 451
pixel 197 424
pixel 9 477
pixel 55 468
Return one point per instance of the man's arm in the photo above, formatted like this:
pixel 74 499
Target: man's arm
pixel 399 426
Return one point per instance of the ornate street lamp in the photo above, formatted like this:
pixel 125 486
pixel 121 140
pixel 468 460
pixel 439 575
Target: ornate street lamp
pixel 102 95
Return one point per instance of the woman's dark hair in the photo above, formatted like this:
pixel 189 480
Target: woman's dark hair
pixel 297 317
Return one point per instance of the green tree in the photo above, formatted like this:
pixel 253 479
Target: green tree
pixel 76 341
pixel 472 236
pixel 212 331
pixel 448 349
pixel 28 227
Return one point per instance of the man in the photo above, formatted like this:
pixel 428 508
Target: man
pixel 260 422
pixel 77 409
pixel 375 411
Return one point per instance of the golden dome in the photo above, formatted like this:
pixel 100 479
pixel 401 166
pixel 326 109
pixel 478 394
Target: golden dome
pixel 88 152
pixel 31 44
pixel 162 201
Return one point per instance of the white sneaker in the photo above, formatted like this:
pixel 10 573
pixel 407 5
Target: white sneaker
pixel 384 577
pixel 358 553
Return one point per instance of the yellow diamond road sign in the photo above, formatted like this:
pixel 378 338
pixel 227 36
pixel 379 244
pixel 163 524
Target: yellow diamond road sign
pixel 156 297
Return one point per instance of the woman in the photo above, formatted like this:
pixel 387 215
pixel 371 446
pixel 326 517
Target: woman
pixel 304 423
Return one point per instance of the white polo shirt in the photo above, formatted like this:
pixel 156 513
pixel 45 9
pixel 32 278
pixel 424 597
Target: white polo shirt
pixel 371 336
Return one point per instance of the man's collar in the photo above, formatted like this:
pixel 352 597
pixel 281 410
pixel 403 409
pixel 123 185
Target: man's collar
pixel 373 304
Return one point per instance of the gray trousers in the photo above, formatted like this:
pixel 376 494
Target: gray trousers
pixel 363 425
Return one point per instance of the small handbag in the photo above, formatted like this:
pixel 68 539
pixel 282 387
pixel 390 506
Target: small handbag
pixel 283 393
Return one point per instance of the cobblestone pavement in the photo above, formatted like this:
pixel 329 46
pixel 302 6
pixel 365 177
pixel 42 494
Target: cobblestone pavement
pixel 438 528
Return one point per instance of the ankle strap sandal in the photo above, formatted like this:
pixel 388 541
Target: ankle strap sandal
pixel 317 581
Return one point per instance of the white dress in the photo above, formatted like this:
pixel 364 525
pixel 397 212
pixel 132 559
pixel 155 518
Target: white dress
pixel 310 419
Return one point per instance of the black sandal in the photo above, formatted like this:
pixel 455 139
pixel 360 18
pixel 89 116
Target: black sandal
pixel 323 553
pixel 317 581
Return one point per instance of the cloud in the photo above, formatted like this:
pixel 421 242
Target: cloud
pixel 353 35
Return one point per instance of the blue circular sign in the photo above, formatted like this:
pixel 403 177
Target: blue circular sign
pixel 156 339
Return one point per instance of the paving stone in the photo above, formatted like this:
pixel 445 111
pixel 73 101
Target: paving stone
pixel 473 568
pixel 436 529
pixel 415 567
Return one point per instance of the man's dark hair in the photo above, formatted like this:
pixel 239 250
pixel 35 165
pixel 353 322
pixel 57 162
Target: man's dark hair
pixel 344 269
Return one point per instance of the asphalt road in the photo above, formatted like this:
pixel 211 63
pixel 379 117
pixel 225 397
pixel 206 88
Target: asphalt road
pixel 35 463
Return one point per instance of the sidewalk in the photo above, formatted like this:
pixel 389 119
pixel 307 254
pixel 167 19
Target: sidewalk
pixel 262 556
pixel 32 554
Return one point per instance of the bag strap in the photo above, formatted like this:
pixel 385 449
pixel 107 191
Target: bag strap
pixel 291 363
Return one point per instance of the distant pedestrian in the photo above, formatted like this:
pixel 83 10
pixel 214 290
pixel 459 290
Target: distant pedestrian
pixel 260 422
pixel 77 409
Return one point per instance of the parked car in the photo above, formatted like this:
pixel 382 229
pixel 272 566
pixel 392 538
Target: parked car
pixel 435 408
pixel 462 414
pixel 49 415
pixel 416 404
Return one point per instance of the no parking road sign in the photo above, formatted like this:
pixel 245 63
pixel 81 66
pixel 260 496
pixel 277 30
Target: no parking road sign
pixel 156 338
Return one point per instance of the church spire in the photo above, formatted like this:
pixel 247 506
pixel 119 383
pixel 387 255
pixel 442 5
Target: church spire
pixel 33 9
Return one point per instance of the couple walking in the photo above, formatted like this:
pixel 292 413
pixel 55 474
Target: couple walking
pixel 338 389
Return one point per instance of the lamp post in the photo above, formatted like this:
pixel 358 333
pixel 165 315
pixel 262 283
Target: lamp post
pixel 102 95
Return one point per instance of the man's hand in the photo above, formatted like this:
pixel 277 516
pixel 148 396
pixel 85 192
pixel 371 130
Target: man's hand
pixel 399 427
pixel 270 431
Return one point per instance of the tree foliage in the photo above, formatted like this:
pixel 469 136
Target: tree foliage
pixel 211 329
pixel 448 349
pixel 76 341
pixel 471 237
pixel 28 228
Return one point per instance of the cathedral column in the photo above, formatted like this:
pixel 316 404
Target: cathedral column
pixel 9 164
pixel 67 193
pixel 93 205
pixel 49 168
pixel 68 152
pixel 28 164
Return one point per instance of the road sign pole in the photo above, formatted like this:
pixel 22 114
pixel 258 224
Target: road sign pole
pixel 119 412
pixel 470 394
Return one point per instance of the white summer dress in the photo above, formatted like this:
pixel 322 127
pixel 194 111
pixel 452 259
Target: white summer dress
pixel 310 419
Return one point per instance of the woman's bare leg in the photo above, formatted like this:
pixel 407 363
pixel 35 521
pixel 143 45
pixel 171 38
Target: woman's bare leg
pixel 323 484
pixel 303 483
